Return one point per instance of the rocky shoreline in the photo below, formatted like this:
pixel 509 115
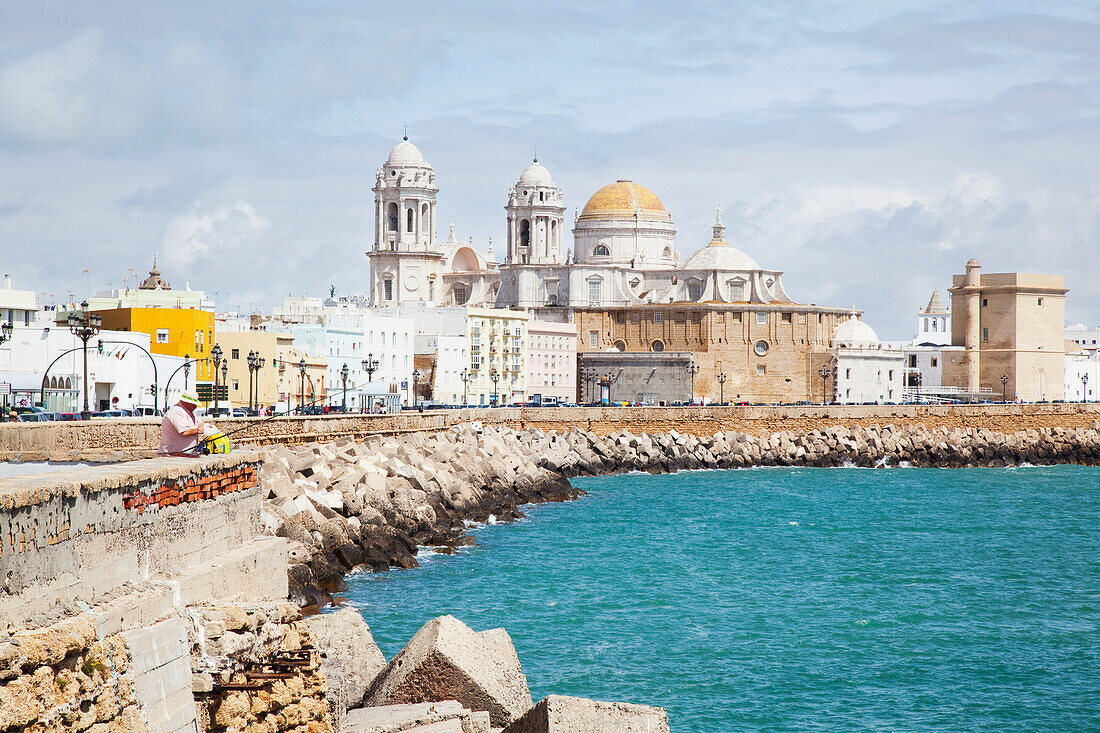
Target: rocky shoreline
pixel 371 504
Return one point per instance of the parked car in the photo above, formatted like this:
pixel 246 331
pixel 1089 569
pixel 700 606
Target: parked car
pixel 145 412
pixel 70 416
pixel 32 417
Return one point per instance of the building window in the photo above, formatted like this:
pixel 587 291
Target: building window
pixel 1040 301
pixel 593 339
pixel 985 302
pixel 198 340
pixel 785 317
pixel 235 354
pixel 694 290
pixel 935 361
pixel 761 348
pixel 409 221
pixel 234 385
pixel 847 373
pixel 761 370
pixel 912 361
pixel 737 289
pixel 162 335
pixel 985 333
pixel 890 375
pixel 387 287
pixel 657 346
pixel 658 317
pixel 761 317
pixel 595 291
pixel 602 250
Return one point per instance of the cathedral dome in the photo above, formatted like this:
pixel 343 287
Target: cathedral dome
pixel 720 257
pixel 622 200
pixel 855 332
pixel 535 175
pixel 405 153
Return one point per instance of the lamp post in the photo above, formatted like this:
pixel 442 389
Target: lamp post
pixel 495 376
pixel 1004 387
pixel 370 365
pixel 253 358
pixel 344 378
pixel 590 383
pixel 692 370
pixel 302 394
pixel 6 332
pixel 84 326
pixel 721 388
pixel 225 385
pixel 1084 387
pixel 216 357
pixel 466 378
pixel 416 385
pixel 825 373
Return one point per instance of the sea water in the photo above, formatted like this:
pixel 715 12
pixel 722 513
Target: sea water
pixel 792 599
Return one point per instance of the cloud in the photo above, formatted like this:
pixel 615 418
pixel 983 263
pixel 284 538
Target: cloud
pixel 203 232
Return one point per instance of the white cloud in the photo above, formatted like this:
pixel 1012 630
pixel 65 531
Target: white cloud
pixel 203 232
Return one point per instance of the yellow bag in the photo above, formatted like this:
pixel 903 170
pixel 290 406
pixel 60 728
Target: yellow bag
pixel 215 441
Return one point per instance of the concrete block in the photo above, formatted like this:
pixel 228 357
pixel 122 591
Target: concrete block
pixel 562 714
pixel 350 658
pixel 447 660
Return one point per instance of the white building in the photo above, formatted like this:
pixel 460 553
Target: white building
pixel 933 323
pixel 1083 336
pixel 1082 375
pixel 407 264
pixel 552 361
pixel 866 369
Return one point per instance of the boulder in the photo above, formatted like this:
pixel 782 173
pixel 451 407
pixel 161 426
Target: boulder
pixel 447 660
pixel 446 716
pixel 350 659
pixel 562 714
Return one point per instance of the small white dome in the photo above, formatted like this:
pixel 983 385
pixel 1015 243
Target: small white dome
pixel 405 153
pixel 722 257
pixel 536 175
pixel 855 332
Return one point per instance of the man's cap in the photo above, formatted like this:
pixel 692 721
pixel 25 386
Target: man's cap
pixel 190 398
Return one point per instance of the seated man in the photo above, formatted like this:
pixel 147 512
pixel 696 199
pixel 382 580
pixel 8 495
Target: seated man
pixel 180 429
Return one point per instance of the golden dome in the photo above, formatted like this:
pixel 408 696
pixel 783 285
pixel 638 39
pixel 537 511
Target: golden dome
pixel 622 199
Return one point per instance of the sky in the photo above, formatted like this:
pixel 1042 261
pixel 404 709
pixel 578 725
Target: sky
pixel 867 149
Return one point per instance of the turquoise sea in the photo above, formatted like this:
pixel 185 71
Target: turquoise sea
pixel 792 599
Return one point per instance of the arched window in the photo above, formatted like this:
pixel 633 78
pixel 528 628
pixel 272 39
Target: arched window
pixel 409 220
pixel 657 346
pixel 602 250
pixel 524 233
pixel 424 219
pixel 620 346
pixel 68 383
pixel 935 324
pixel 391 217
pixel 667 253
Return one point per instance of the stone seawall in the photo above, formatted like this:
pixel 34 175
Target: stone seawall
pixel 117 439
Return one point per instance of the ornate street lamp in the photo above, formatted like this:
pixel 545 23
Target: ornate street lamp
pixel 370 366
pixel 466 379
pixel 721 388
pixel 1084 387
pixel 216 357
pixel 692 370
pixel 252 359
pixel 495 376
pixel 1004 387
pixel 416 385
pixel 6 331
pixel 302 394
pixel 825 373
pixel 344 377
pixel 84 326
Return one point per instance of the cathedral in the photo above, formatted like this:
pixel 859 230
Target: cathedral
pixel 623 250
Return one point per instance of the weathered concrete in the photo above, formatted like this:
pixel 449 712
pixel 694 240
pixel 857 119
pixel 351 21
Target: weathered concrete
pixel 447 660
pixel 114 439
pixel 449 715
pixel 562 714
pixel 350 660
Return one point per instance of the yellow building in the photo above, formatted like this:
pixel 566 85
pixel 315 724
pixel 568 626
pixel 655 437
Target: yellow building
pixel 274 348
pixel 497 341
pixel 179 322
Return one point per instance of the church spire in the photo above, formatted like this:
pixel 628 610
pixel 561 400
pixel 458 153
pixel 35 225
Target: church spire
pixel 718 236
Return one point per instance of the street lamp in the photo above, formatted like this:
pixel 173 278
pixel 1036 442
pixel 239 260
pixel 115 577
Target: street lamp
pixel 252 360
pixel 216 357
pixel 466 379
pixel 225 386
pixel 344 377
pixel 1004 387
pixel 370 365
pixel 302 394
pixel 6 332
pixel 721 388
pixel 84 326
pixel 495 376
pixel 692 370
pixel 590 383
pixel 416 385
pixel 825 373
pixel 1084 387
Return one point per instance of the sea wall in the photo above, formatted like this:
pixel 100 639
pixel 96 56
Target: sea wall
pixel 100 440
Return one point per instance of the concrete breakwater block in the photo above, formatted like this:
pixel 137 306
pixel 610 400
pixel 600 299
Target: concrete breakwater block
pixel 350 659
pixel 427 717
pixel 447 660
pixel 562 714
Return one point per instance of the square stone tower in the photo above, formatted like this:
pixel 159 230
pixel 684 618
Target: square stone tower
pixel 1011 325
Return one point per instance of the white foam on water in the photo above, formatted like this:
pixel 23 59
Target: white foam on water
pixel 793 524
pixel 425 554
pixel 493 519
